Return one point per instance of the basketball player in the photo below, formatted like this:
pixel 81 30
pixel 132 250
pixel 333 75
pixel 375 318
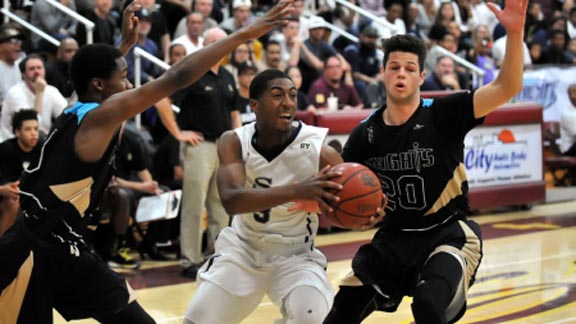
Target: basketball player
pixel 269 249
pixel 45 260
pixel 426 247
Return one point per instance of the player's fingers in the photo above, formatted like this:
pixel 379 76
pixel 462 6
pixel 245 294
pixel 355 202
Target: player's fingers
pixel 324 206
pixel 331 185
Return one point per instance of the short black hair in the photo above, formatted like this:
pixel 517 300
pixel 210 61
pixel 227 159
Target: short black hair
pixel 405 43
pixel 21 116
pixel 22 64
pixel 260 83
pixel 92 61
pixel 272 42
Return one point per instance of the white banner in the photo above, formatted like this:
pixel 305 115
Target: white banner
pixel 548 87
pixel 502 155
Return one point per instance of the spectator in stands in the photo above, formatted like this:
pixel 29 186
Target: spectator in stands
pixel 52 21
pixel 32 92
pixel 571 50
pixel 104 23
pixel 534 21
pixel 480 55
pixel 289 41
pixel 159 29
pixel 373 6
pixel 303 103
pixel 272 57
pixel 571 24
pixel 207 109
pixel 568 124
pixel 17 154
pixel 446 41
pixel 363 59
pixel 240 54
pixel 394 14
pixel 313 52
pixel 204 7
pixel 411 19
pixel 556 51
pixel 445 14
pixel 177 52
pixel 331 85
pixel 58 71
pixel 445 77
pixel 499 49
pixel 193 39
pixel 348 20
pixel 482 15
pixel 241 16
pixel 246 72
pixel 167 167
pixel 11 38
pixel 535 50
pixel 148 71
pixel 427 11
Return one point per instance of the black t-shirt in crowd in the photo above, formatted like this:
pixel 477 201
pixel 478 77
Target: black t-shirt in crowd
pixel 13 160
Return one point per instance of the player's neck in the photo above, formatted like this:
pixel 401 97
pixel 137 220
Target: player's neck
pixel 398 112
pixel 268 139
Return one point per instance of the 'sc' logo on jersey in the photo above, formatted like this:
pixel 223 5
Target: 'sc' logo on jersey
pixel 304 145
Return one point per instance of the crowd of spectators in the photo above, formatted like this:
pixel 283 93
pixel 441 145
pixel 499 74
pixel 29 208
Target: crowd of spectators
pixel 178 149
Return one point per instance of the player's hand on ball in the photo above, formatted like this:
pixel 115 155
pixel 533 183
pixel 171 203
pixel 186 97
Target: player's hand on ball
pixel 380 213
pixel 318 188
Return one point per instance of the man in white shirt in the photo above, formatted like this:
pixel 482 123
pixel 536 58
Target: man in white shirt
pixel 32 92
pixel 10 50
pixel 241 16
pixel 568 124
pixel 499 49
pixel 192 40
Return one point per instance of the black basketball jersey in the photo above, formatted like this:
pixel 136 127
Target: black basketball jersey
pixel 59 194
pixel 420 163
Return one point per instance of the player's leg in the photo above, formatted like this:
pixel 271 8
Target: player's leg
pixel 133 313
pixel 305 305
pixel 353 304
pixel 440 294
pixel 213 304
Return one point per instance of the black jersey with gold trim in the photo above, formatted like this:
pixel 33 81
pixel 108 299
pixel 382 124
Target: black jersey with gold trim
pixel 59 192
pixel 419 163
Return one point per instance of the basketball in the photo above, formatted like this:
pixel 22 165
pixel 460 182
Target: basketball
pixel 360 196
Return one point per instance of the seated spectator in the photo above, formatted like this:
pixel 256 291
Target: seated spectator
pixel 535 50
pixel 571 50
pixel 556 51
pixel 364 58
pixel 394 14
pixel 330 85
pixel 303 103
pixel 104 23
pixel 52 21
pixel 445 77
pixel 480 56
pixel 568 124
pixel 32 92
pixel 192 39
pixel 240 54
pixel 246 72
pixel 17 154
pixel 499 49
pixel 272 57
pixel 241 16
pixel 289 41
pixel 58 71
pixel 204 7
pixel 10 50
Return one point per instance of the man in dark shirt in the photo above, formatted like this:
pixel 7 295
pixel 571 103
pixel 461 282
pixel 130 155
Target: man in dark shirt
pixel 16 154
pixel 207 108
pixel 363 59
pixel 58 71
pixel 105 24
pixel 445 77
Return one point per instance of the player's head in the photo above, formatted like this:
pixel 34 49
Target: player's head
pixel 402 70
pixel 99 71
pixel 273 99
pixel 25 128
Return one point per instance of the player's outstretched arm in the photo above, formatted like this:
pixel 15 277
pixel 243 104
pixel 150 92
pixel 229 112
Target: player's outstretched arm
pixel 237 198
pixel 509 81
pixel 100 125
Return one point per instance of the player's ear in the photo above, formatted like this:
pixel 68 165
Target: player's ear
pixel 254 105
pixel 97 83
pixel 422 77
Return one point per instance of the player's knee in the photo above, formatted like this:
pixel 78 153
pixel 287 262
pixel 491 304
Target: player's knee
pixel 306 305
pixel 431 298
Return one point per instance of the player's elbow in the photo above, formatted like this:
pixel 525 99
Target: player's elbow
pixel 229 202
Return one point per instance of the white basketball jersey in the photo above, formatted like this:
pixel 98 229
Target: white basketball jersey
pixel 297 162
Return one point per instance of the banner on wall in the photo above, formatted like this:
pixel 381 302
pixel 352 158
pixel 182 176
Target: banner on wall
pixel 548 87
pixel 494 155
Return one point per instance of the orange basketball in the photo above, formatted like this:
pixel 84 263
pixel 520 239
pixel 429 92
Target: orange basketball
pixel 360 196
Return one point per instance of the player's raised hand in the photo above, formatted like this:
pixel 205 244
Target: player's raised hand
pixel 129 27
pixel 513 16
pixel 273 18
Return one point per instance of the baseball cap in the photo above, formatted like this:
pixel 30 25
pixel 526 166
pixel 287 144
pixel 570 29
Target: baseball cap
pixel 316 22
pixel 370 31
pixel 246 66
pixel 143 14
pixel 240 3
pixel 8 32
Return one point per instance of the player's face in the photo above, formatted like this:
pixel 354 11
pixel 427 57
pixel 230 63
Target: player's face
pixel 402 76
pixel 276 107
pixel 118 81
pixel 27 135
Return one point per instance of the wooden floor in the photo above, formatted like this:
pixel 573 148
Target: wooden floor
pixel 528 274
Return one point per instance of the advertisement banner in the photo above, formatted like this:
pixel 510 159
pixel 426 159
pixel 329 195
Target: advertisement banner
pixel 503 155
pixel 548 87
